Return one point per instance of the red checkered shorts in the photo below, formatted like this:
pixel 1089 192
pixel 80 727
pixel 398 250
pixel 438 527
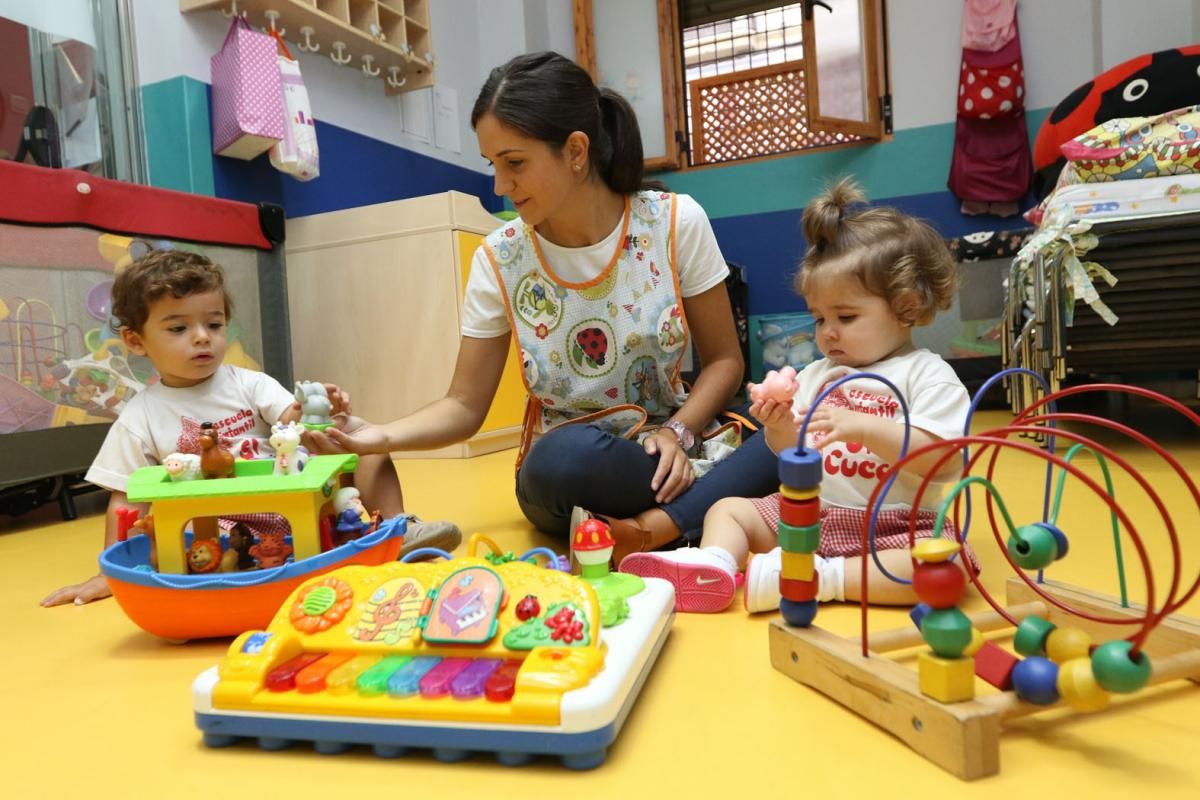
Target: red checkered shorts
pixel 257 523
pixel 841 528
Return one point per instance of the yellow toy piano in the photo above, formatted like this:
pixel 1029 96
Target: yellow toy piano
pixel 471 654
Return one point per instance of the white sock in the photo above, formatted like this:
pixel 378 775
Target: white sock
pixel 832 572
pixel 726 558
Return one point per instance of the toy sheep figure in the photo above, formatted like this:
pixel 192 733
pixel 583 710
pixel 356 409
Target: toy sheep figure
pixel 182 466
pixel 315 405
pixel 290 457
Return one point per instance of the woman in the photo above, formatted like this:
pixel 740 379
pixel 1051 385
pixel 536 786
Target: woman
pixel 605 285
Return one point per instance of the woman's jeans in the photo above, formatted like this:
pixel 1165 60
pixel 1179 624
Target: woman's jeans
pixel 581 465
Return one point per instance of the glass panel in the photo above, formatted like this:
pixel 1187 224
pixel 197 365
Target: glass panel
pixel 66 78
pixel 841 61
pixel 627 61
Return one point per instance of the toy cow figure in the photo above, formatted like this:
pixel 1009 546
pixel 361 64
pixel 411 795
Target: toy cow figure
pixel 290 457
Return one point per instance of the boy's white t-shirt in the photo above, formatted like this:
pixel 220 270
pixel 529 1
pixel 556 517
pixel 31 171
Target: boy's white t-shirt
pixel 937 404
pixel 241 403
pixel 697 255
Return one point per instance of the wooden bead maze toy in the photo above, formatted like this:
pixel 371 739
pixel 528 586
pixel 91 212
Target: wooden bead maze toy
pixel 1072 645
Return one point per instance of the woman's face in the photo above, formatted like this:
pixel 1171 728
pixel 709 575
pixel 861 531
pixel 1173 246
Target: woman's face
pixel 532 175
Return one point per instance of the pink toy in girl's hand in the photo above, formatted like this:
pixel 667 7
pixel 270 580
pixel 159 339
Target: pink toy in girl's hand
pixel 779 386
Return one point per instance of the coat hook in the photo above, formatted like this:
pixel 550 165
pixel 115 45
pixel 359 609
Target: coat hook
pixel 273 15
pixel 393 72
pixel 232 12
pixel 429 58
pixel 340 57
pixel 366 66
pixel 307 45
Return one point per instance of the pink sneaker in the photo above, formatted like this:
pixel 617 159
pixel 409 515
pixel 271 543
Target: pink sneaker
pixel 703 582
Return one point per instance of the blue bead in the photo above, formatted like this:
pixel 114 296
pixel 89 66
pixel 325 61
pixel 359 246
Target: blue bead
pixel 1036 680
pixel 1060 539
pixel 798 614
pixel 918 613
pixel 800 469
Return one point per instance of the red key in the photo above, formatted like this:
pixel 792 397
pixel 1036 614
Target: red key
pixel 503 682
pixel 283 677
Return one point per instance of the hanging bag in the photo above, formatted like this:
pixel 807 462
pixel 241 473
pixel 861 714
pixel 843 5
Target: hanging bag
pixel 247 97
pixel 296 154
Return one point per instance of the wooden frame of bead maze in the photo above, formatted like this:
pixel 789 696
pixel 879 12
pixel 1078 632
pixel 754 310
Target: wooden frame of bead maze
pixel 964 737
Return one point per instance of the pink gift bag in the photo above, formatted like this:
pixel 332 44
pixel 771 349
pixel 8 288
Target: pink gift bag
pixel 247 96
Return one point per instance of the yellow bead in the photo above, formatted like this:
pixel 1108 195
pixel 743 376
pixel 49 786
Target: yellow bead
pixel 799 494
pixel 976 643
pixel 796 566
pixel 1078 686
pixel 938 548
pixel 1064 644
pixel 947 680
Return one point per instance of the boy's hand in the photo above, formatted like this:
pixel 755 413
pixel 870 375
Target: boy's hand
pixel 94 588
pixel 349 435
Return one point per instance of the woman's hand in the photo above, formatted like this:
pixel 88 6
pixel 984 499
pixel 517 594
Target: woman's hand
pixel 94 588
pixel 349 435
pixel 674 474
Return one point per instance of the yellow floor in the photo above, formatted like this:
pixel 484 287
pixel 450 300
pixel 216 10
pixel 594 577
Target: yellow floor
pixel 93 705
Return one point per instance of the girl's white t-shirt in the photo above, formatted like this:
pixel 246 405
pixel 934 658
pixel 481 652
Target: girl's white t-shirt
pixel 698 261
pixel 937 404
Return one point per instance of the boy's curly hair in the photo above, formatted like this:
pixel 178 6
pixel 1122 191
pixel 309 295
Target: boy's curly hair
pixel 893 255
pixel 161 272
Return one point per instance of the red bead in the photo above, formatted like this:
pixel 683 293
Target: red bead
pixel 940 584
pixel 800 513
pixel 799 591
pixel 994 664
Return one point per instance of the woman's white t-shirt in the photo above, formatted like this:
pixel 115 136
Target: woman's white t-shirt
pixel 937 404
pixel 698 261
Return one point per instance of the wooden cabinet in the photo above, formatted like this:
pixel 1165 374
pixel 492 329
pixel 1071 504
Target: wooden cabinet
pixel 375 303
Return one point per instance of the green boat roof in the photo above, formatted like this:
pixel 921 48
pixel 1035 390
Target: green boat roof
pixel 149 484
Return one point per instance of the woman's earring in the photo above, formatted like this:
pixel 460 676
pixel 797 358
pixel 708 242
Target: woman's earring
pixel 577 167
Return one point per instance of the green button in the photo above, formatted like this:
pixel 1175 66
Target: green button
pixel 319 600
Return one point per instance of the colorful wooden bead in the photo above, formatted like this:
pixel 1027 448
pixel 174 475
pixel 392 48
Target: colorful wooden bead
pixel 918 613
pixel 1116 671
pixel 976 642
pixel 1060 539
pixel 1078 686
pixel 937 548
pixel 1064 644
pixel 798 615
pixel 796 566
pixel 799 540
pixel 800 469
pixel 1030 638
pixel 799 591
pixel 799 494
pixel 947 631
pixel 947 680
pixel 940 584
pixel 1032 547
pixel 995 665
pixel 1035 680
pixel 800 513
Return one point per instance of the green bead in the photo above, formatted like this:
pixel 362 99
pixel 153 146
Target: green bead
pixel 799 540
pixel 1032 547
pixel 1115 671
pixel 1030 638
pixel 947 631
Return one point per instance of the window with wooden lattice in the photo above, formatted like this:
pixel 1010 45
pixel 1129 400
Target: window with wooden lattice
pixel 781 77
pixel 740 78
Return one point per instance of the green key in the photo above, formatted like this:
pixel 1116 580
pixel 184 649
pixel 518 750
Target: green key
pixel 374 680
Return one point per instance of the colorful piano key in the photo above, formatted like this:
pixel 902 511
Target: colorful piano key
pixel 375 680
pixel 343 679
pixel 436 682
pixel 500 686
pixel 283 677
pixel 470 683
pixel 406 681
pixel 313 677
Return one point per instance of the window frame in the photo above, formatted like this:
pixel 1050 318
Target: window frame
pixel 877 127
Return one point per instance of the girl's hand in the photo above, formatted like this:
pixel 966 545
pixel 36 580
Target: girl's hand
pixel 773 414
pixel 674 474
pixel 349 435
pixel 93 588
pixel 840 424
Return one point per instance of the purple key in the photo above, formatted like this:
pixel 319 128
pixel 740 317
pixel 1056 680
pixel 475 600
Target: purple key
pixel 436 682
pixel 470 681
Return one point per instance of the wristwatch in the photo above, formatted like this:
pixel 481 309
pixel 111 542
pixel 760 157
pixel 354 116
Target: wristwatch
pixel 687 439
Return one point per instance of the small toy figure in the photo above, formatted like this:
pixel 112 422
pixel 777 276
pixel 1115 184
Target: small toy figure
pixel 528 608
pixel 215 460
pixel 145 526
pixel 779 386
pixel 271 550
pixel 204 555
pixel 241 539
pixel 315 405
pixel 290 457
pixel 353 520
pixel 182 466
